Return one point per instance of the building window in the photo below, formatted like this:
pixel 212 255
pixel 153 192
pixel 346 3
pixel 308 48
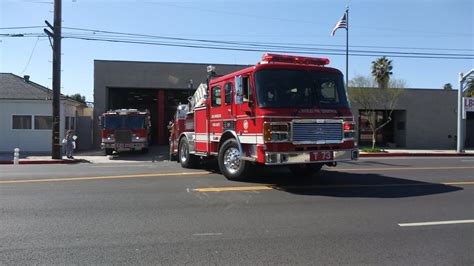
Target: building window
pixel 216 96
pixel 73 123
pixel 43 122
pixel 228 93
pixel 66 122
pixel 21 122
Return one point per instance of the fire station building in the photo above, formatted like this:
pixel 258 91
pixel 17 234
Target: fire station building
pixel 423 119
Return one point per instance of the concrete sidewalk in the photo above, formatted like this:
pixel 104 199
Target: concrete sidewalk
pixel 155 154
pixel 160 153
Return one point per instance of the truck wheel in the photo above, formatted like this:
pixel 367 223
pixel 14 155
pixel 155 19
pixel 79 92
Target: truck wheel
pixel 305 170
pixel 109 151
pixel 185 159
pixel 230 164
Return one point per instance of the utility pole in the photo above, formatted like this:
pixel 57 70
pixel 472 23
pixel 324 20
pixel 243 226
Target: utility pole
pixel 56 36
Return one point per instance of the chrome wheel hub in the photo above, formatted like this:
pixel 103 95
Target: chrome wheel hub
pixel 183 153
pixel 232 160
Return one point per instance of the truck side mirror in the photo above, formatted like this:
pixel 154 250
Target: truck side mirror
pixel 100 121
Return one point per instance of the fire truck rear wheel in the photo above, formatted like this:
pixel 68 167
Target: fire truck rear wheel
pixel 230 164
pixel 186 159
pixel 305 170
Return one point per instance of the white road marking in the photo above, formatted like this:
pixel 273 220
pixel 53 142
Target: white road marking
pixel 466 161
pixel 208 234
pixel 438 223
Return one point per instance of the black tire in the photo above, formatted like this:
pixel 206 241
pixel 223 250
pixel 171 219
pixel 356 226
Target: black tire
pixel 305 170
pixel 186 159
pixel 109 151
pixel 230 164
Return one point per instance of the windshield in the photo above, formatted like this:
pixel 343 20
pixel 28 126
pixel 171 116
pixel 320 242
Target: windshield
pixel 296 88
pixel 131 122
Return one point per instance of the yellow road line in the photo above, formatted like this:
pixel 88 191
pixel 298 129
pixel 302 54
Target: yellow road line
pixel 220 189
pixel 458 183
pixel 283 188
pixel 97 177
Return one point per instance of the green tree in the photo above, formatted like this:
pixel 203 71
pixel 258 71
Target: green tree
pixel 381 71
pixel 370 99
pixel 447 86
pixel 469 92
pixel 78 97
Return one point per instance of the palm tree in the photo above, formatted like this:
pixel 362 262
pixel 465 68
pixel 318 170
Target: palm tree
pixel 381 71
pixel 469 88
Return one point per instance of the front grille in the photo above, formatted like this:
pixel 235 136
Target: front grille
pixel 317 132
pixel 123 136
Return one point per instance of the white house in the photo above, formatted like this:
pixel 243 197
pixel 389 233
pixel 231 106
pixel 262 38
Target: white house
pixel 26 114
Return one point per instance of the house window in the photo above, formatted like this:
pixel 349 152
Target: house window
pixel 66 124
pixel 73 123
pixel 21 122
pixel 43 122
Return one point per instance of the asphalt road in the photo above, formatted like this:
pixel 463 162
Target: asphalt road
pixel 370 212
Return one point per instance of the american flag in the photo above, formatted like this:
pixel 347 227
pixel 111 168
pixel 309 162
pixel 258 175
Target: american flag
pixel 341 24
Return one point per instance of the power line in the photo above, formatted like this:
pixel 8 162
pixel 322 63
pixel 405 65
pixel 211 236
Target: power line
pixel 253 49
pixel 260 44
pixel 145 39
pixel 23 27
pixel 31 55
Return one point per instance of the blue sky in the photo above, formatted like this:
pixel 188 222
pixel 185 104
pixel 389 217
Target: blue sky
pixel 437 26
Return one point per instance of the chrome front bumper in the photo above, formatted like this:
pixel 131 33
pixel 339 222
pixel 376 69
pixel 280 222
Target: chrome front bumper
pixel 137 146
pixel 281 158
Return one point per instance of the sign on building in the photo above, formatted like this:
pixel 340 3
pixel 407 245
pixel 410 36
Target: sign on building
pixel 469 104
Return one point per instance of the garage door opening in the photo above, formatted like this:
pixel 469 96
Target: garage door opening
pixel 161 104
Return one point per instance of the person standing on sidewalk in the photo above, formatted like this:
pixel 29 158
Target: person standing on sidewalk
pixel 70 141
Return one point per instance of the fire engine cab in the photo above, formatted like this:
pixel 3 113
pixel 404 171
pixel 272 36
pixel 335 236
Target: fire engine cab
pixel 285 110
pixel 125 130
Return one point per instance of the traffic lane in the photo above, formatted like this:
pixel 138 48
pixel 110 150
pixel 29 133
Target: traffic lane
pixel 269 226
pixel 406 248
pixel 22 172
pixel 382 165
pixel 127 214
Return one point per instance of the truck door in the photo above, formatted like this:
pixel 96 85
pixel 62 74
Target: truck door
pixel 216 112
pixel 245 109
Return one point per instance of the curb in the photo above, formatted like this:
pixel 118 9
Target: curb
pixel 399 154
pixel 26 161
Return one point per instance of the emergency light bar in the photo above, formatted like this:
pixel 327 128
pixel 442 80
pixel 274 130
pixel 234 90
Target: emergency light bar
pixel 278 58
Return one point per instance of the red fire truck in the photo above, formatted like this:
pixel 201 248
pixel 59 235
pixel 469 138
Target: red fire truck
pixel 125 130
pixel 285 110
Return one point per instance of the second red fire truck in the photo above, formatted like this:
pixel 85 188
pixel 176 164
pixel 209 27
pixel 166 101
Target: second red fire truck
pixel 285 110
pixel 125 130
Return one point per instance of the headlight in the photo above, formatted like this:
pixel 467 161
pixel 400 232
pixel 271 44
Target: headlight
pixel 276 131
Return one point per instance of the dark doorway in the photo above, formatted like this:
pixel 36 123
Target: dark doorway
pixel 469 130
pixel 384 137
pixel 161 109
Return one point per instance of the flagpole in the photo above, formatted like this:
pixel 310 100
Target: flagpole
pixel 347 47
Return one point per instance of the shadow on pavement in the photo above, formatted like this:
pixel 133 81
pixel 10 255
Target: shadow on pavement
pixel 154 154
pixel 340 184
